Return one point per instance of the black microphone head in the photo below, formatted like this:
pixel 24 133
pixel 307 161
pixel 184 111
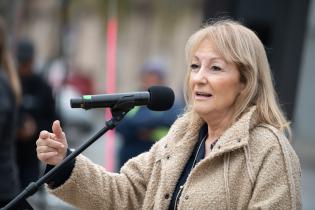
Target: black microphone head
pixel 161 98
pixel 76 102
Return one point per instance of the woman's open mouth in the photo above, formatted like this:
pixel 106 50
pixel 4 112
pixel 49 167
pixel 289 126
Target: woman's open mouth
pixel 202 95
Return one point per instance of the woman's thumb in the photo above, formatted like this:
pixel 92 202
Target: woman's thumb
pixel 57 130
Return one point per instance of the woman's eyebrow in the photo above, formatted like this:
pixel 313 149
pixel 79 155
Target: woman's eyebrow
pixel 215 58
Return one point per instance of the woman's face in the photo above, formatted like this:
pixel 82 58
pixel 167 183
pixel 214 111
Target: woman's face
pixel 214 82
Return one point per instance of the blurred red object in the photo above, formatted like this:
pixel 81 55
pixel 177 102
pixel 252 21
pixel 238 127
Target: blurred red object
pixel 81 82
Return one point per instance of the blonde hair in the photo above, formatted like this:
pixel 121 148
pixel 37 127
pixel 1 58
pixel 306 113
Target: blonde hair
pixel 241 46
pixel 7 63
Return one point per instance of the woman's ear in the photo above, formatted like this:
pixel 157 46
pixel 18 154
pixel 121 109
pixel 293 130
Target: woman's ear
pixel 242 86
pixel 242 82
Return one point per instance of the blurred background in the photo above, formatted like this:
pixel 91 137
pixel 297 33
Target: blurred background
pixel 99 46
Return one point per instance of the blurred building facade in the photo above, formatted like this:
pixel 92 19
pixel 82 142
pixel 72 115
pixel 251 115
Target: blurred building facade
pixel 76 30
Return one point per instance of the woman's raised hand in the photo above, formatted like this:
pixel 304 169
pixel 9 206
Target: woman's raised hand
pixel 52 147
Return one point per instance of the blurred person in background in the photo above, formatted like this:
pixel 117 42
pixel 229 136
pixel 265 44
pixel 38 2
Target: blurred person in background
pixel 70 81
pixel 75 121
pixel 36 113
pixel 229 149
pixel 10 96
pixel 141 127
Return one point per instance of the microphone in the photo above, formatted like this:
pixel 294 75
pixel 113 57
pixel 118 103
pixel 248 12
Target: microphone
pixel 157 98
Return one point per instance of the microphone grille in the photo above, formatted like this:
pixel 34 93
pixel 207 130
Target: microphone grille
pixel 161 98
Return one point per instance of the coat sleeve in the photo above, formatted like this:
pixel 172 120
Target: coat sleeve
pixel 90 186
pixel 278 178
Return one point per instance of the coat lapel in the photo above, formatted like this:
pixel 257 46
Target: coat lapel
pixel 180 143
pixel 237 135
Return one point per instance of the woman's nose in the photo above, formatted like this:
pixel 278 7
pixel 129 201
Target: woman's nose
pixel 200 75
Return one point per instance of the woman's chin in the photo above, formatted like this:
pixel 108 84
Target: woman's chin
pixel 202 111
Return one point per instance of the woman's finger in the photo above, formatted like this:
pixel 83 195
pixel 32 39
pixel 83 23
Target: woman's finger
pixel 41 142
pixel 45 149
pixel 57 130
pixel 50 143
pixel 44 134
pixel 45 156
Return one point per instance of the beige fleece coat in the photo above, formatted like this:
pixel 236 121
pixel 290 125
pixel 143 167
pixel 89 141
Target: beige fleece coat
pixel 251 167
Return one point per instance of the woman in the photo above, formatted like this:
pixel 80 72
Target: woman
pixel 10 95
pixel 228 151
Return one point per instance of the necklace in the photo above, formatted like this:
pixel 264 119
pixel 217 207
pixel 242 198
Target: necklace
pixel 193 165
pixel 202 141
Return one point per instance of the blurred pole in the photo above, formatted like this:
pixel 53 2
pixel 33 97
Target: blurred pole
pixel 64 28
pixel 64 44
pixel 13 13
pixel 111 44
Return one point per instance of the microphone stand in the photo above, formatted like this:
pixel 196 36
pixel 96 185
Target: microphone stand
pixel 20 202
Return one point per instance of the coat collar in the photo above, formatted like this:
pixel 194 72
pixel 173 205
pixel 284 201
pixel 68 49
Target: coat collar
pixel 239 131
pixel 184 133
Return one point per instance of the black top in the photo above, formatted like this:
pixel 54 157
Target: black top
pixel 37 108
pixel 39 104
pixel 197 155
pixel 9 184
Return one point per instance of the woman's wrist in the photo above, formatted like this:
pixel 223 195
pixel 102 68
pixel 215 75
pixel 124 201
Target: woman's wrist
pixel 62 176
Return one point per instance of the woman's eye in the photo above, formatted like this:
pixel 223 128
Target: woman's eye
pixel 216 68
pixel 194 66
